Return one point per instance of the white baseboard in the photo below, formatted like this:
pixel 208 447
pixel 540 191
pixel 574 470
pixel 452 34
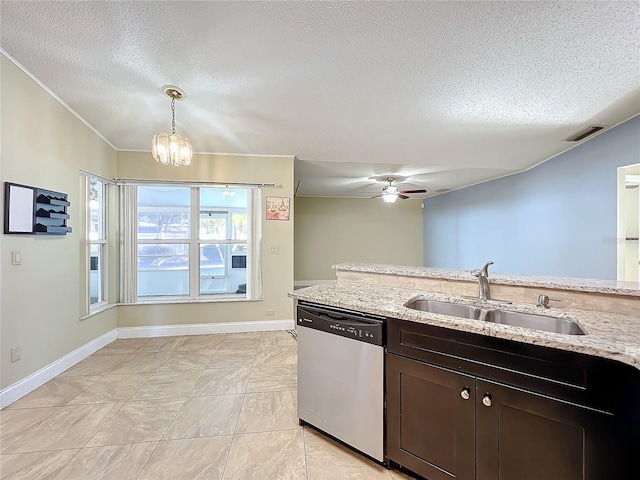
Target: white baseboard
pixel 28 384
pixel 204 328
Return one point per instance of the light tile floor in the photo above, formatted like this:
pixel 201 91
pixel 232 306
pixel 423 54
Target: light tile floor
pixel 178 408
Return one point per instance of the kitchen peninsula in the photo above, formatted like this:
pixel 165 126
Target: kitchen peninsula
pixel 474 399
pixel 608 311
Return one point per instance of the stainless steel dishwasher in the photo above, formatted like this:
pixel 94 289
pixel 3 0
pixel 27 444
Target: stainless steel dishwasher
pixel 341 375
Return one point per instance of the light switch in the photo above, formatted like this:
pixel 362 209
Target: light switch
pixel 16 353
pixel 274 250
pixel 16 257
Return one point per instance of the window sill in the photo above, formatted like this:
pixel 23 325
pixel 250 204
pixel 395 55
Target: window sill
pixel 220 299
pixel 99 309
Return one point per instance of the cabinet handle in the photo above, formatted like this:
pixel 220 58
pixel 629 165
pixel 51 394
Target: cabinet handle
pixel 465 393
pixel 486 400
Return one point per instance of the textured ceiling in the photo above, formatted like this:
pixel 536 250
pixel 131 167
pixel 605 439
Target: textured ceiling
pixel 446 93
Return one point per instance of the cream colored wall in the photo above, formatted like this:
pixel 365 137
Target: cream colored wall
pixel 44 145
pixel 337 230
pixel 277 270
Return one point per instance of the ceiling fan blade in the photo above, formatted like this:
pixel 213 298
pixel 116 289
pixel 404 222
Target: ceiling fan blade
pixel 375 196
pixel 414 191
pixel 404 197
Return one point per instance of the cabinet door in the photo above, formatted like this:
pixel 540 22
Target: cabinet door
pixel 523 436
pixel 430 426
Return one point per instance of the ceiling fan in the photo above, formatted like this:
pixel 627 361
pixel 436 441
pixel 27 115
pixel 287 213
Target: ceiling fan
pixel 390 193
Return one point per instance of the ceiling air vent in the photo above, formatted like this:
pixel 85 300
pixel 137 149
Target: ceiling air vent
pixel 584 133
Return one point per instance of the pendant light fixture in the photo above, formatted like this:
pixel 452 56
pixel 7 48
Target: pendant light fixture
pixel 172 150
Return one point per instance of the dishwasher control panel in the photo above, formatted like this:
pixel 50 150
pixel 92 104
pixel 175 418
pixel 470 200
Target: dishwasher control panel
pixel 360 327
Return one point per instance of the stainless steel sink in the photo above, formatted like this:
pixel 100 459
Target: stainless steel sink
pixel 445 308
pixel 534 321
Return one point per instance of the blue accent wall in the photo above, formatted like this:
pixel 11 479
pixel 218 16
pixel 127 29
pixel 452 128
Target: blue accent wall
pixel 558 218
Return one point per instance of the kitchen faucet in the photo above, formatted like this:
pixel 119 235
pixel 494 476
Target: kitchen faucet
pixel 483 281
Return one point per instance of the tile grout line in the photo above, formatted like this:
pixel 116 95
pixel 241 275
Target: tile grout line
pixel 188 397
pixel 253 364
pixel 235 428
pixel 66 464
pixel 124 403
pixel 267 431
pixel 304 447
pixel 157 443
pixel 160 440
pixel 55 409
pixel 147 460
pixel 102 425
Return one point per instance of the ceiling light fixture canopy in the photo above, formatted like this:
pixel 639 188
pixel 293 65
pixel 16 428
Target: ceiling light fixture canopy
pixel 172 150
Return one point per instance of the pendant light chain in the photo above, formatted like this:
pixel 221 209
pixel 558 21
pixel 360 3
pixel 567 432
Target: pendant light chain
pixel 173 115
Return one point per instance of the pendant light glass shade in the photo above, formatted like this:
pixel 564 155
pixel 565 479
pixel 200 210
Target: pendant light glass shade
pixel 172 149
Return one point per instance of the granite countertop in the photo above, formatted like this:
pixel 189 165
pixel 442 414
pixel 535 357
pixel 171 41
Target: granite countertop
pixel 564 283
pixel 608 335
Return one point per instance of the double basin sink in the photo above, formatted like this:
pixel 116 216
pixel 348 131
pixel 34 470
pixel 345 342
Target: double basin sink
pixel 534 321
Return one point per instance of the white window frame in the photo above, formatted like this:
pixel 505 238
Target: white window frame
pixel 130 242
pixel 228 212
pixel 170 241
pixel 103 259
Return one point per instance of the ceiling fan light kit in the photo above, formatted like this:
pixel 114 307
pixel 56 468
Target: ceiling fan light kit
pixel 172 149
pixel 390 193
pixel 389 197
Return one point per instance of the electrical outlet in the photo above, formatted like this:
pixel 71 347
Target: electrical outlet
pixel 16 353
pixel 271 313
pixel 274 250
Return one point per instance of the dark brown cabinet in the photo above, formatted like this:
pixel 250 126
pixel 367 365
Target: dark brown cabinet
pixel 524 436
pixel 430 427
pixel 464 406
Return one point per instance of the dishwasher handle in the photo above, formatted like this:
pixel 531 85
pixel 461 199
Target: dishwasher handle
pixel 340 312
pixel 343 320
pixel 369 330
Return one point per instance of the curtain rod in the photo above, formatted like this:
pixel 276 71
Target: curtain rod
pixel 139 181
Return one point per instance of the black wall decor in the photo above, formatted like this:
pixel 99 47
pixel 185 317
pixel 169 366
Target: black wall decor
pixel 31 210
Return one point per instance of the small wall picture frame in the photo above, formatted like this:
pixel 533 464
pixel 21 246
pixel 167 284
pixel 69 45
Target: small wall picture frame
pixel 19 202
pixel 278 208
